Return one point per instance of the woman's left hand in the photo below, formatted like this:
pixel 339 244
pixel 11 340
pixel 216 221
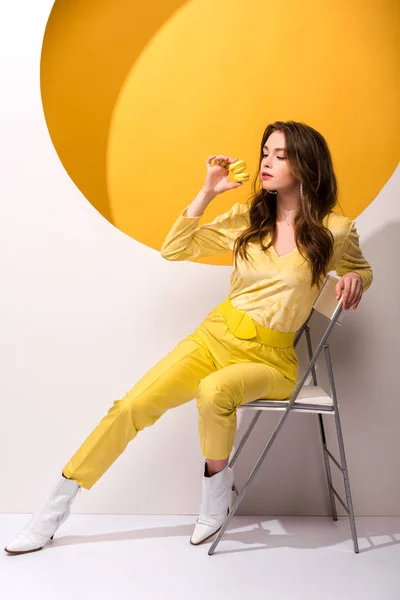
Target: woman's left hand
pixel 351 286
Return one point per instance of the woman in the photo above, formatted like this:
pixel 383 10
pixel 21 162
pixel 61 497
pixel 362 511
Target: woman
pixel 284 242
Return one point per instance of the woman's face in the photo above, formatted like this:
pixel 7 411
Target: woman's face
pixel 275 163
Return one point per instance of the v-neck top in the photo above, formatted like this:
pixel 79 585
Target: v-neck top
pixel 275 290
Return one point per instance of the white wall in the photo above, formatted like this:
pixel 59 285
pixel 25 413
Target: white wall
pixel 86 311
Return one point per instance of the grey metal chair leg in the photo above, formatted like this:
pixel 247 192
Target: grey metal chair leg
pixel 347 485
pixel 248 482
pixel 349 507
pixel 242 443
pixel 244 438
pixel 327 467
pixel 322 430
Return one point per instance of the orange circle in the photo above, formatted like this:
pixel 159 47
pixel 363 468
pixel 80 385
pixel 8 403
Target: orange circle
pixel 135 101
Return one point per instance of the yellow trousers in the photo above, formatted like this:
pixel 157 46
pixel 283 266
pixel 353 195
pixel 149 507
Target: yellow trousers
pixel 212 365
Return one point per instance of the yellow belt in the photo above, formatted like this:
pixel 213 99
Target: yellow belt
pixel 242 326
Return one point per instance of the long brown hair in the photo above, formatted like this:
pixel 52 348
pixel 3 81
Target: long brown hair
pixel 310 162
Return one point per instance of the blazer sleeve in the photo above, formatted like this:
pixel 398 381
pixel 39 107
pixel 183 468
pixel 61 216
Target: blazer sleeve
pixel 352 259
pixel 186 240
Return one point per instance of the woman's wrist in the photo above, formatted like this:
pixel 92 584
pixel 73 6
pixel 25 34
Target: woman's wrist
pixel 207 195
pixel 360 277
pixel 200 203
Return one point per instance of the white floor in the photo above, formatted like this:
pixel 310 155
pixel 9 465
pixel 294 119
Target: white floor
pixel 150 557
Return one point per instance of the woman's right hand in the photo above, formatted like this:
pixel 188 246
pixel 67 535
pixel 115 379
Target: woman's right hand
pixel 216 180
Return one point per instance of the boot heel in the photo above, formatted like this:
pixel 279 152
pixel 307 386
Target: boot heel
pixel 232 498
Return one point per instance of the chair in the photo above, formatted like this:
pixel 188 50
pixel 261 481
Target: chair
pixel 309 399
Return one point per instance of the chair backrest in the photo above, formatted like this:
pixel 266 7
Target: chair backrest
pixel 326 305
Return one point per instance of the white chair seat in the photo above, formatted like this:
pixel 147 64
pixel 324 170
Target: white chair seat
pixel 311 398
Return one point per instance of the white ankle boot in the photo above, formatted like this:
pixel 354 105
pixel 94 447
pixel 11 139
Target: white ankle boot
pixel 47 519
pixel 217 501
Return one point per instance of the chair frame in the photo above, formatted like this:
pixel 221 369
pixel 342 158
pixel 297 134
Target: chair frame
pixel 327 288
